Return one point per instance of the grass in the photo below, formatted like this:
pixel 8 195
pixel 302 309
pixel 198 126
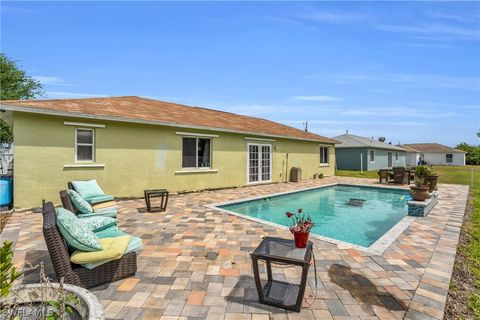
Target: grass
pixel 447 174
pixel 464 295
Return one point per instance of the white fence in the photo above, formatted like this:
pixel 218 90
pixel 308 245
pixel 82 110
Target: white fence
pixel 6 159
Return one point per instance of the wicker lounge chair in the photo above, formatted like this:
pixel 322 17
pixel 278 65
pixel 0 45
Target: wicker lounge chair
pixel 76 274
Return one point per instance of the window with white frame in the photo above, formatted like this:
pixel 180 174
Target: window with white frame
pixel 449 158
pixel 323 155
pixel 84 145
pixel 372 155
pixel 196 152
pixel 396 156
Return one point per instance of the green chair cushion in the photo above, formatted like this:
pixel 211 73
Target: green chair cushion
pixel 88 189
pixel 98 223
pixel 110 232
pixel 76 234
pixel 79 203
pixel 111 214
pixel 107 209
pixel 99 199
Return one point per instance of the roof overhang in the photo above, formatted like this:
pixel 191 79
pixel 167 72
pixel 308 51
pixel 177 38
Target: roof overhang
pixel 144 121
pixel 368 147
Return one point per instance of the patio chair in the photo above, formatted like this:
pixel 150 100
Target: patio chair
pixel 401 175
pixel 384 175
pixel 75 274
pixel 68 204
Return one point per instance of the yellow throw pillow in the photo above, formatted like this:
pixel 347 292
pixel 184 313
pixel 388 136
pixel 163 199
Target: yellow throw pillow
pixel 112 249
pixel 104 205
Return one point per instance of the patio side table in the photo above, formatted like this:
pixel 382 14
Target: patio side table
pixel 155 193
pixel 281 251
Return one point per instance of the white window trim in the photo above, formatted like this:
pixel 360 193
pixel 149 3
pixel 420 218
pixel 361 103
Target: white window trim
pixel 85 144
pixel 324 164
pixel 374 155
pixel 259 171
pixel 259 139
pixel 85 165
pixel 197 168
pixel 197 135
pixel 446 158
pixel 397 156
pixel 82 124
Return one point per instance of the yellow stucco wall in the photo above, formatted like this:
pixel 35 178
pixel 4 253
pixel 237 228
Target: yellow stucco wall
pixel 137 157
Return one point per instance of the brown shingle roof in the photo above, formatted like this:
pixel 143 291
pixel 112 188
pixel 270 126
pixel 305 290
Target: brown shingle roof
pixel 137 109
pixel 430 147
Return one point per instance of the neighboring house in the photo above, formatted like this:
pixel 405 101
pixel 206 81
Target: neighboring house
pixel 433 153
pixel 360 153
pixel 130 144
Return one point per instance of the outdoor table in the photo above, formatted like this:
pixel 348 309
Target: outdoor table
pixel 281 251
pixel 155 193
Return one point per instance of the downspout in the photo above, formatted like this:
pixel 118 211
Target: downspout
pixel 286 167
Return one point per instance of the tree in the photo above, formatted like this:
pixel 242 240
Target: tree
pixel 6 135
pixel 472 155
pixel 15 84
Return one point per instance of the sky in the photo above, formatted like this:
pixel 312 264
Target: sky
pixel 407 71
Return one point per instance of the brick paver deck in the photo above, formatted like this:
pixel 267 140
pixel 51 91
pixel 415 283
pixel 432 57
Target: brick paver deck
pixel 195 263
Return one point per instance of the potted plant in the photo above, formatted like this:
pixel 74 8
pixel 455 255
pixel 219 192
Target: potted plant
pixel 43 300
pixel 430 179
pixel 419 192
pixel 302 224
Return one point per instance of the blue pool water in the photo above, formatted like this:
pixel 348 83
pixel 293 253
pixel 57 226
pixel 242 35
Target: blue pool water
pixel 333 218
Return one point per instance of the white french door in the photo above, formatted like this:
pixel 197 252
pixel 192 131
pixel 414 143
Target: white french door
pixel 259 163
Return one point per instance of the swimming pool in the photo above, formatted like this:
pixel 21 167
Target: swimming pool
pixel 361 225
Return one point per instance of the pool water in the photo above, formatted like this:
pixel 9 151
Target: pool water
pixel 360 225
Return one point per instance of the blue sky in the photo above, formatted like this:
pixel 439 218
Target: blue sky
pixel 409 71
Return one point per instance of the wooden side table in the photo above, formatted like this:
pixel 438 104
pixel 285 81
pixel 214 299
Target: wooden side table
pixel 281 251
pixel 156 193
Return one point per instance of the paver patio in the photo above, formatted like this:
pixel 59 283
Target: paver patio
pixel 195 263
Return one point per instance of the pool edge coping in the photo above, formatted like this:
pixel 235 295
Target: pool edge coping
pixel 376 248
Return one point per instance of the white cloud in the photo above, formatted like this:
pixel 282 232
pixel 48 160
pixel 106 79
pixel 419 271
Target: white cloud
pixel 330 17
pixel 438 31
pixel 322 98
pixel 51 80
pixel 410 80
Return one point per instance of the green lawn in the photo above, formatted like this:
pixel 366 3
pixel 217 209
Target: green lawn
pixel 447 174
pixel 468 251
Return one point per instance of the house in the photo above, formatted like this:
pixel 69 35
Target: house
pixel 361 153
pixel 130 144
pixel 433 153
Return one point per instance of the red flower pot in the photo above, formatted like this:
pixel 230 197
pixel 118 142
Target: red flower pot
pixel 301 239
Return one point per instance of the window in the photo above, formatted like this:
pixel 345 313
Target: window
pixel 372 155
pixel 396 156
pixel 449 157
pixel 84 145
pixel 196 153
pixel 323 155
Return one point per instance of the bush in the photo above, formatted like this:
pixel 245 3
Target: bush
pixel 472 155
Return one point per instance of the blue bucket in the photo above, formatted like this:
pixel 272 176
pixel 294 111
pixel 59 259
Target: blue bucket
pixel 6 191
